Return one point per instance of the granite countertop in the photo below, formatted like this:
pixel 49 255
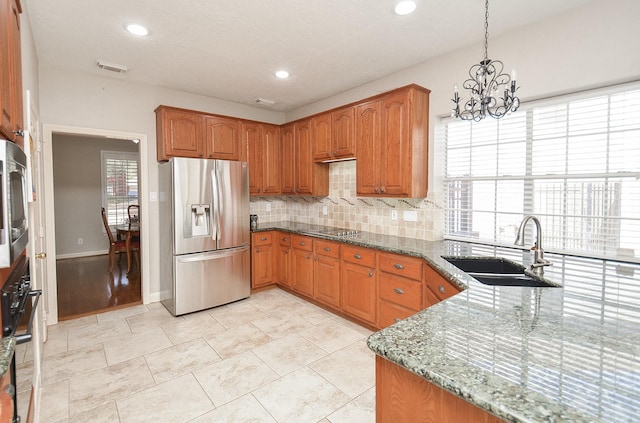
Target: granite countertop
pixel 7 346
pixel 564 354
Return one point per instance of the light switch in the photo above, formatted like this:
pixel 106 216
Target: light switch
pixel 268 206
pixel 394 214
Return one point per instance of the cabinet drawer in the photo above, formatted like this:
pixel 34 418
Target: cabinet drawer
pixel 439 285
pixel 284 239
pixel 409 267
pixel 302 242
pixel 327 248
pixel 359 255
pixel 390 313
pixel 401 291
pixel 262 238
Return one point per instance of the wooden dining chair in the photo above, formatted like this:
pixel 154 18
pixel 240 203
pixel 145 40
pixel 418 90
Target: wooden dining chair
pixel 134 213
pixel 117 245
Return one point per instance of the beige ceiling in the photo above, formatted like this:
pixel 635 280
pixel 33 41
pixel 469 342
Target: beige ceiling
pixel 230 49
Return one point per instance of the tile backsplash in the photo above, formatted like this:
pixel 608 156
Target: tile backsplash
pixel 345 210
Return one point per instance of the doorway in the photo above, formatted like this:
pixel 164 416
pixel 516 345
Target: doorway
pixel 90 172
pixel 52 133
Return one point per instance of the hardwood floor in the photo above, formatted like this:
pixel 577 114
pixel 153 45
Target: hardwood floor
pixel 85 286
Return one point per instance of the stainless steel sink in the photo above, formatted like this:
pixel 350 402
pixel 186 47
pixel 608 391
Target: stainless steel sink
pixel 497 271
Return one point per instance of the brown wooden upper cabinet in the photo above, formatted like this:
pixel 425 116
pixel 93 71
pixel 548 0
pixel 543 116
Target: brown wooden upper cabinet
pixel 300 174
pixel 392 144
pixel 186 133
pixel 264 155
pixel 334 135
pixel 11 119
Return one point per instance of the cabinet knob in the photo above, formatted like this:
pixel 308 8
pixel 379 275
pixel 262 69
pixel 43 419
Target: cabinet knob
pixel 285 239
pixel 302 243
pixel 398 266
pixel 335 153
pixel 397 319
pixel 19 132
pixel 357 256
pixel 327 249
pixel 370 274
pixel 441 288
pixel 398 291
pixel 287 252
pixel 263 238
pixel 309 256
pixel 381 189
pixel 315 258
pixel 200 154
pixel 375 190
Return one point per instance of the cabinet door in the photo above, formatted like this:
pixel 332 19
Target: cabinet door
pixel 181 133
pixel 288 135
pixel 367 148
pixel 302 271
pixel 321 140
pixel 284 265
pixel 303 160
pixel 251 137
pixel 271 174
pixel 359 291
pixel 326 272
pixel 222 138
pixel 343 132
pixel 261 265
pixel 395 145
pixel 10 71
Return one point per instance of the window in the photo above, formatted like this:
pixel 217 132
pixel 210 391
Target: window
pixel 119 184
pixel 573 161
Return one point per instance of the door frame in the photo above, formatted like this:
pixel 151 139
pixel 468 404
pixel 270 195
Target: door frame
pixel 48 130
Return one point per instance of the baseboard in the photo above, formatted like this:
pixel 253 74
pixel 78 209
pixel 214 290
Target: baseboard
pixel 82 254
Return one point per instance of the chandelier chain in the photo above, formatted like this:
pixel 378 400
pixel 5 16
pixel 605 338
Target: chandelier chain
pixel 486 30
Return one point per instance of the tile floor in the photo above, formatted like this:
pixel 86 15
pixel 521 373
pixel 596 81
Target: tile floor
pixel 270 358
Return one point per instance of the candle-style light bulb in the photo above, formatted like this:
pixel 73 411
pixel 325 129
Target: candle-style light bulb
pixel 513 75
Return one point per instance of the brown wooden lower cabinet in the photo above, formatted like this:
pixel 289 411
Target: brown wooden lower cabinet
pixel 374 288
pixel 403 397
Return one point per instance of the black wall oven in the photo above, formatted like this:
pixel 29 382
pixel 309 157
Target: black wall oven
pixel 14 297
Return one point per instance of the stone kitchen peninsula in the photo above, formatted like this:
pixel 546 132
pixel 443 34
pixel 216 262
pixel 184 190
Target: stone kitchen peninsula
pixel 522 354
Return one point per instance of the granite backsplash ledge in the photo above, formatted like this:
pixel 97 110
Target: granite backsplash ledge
pixel 420 218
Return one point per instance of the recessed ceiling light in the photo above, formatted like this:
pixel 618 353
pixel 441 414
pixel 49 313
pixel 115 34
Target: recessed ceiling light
pixel 282 74
pixel 136 29
pixel 405 7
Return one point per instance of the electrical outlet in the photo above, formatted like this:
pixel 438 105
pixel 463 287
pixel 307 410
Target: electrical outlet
pixel 325 210
pixel 410 216
pixel 394 214
pixel 268 206
pixel 80 241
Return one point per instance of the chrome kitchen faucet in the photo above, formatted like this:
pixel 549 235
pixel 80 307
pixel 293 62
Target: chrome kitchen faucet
pixel 539 261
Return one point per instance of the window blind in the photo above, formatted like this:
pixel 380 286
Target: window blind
pixel 119 184
pixel 573 161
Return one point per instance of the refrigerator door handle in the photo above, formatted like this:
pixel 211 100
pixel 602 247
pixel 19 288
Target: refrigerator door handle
pixel 192 258
pixel 215 186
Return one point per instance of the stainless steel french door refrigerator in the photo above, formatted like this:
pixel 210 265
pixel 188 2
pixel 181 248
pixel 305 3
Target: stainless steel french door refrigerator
pixel 204 241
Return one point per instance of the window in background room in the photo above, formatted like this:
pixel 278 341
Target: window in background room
pixel 573 161
pixel 119 184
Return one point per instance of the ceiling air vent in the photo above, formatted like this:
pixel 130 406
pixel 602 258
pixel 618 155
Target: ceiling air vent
pixel 112 67
pixel 263 101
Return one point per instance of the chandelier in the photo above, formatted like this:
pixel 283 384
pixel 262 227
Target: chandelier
pixel 491 92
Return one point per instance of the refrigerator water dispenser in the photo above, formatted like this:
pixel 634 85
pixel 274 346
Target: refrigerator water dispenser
pixel 200 219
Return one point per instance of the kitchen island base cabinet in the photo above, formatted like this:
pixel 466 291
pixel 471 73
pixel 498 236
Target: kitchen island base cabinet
pixel 403 397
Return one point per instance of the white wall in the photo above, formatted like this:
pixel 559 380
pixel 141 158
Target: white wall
pixel 591 46
pixel 77 179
